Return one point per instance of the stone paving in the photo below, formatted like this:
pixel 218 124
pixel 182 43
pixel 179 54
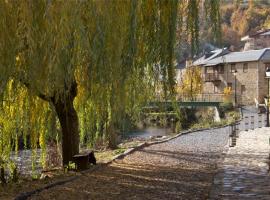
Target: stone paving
pixel 244 173
pixel 252 119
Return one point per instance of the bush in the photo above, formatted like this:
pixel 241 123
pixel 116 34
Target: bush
pixel 186 117
pixel 233 116
pixel 226 106
pixel 208 124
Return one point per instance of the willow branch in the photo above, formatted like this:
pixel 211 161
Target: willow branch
pixel 37 92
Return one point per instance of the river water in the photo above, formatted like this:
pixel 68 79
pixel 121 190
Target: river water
pixel 24 159
pixel 149 132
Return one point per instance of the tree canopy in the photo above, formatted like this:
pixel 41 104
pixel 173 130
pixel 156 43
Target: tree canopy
pixel 92 63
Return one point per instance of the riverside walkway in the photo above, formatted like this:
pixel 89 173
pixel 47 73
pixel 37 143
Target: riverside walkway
pixel 182 168
pixel 244 171
pixel 198 165
pixel 244 174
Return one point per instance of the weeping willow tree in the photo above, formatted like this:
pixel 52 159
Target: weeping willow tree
pixel 104 56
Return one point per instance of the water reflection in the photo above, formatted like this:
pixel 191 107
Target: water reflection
pixel 149 132
pixel 23 161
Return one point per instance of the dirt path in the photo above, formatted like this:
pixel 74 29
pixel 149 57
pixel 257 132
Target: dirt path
pixel 182 168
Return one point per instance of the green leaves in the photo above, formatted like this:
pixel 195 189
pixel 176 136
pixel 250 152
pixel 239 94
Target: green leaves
pixel 120 54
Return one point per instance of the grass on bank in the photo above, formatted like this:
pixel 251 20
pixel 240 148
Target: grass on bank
pixel 230 117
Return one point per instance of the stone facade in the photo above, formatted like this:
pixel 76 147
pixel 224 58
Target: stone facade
pixel 257 43
pixel 259 40
pixel 250 80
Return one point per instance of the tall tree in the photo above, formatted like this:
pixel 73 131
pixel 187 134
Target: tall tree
pixel 97 50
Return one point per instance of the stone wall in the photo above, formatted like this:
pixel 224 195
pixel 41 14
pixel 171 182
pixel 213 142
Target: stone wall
pixel 262 82
pixel 257 43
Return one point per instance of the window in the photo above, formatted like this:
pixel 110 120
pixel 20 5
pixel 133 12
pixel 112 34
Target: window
pixel 243 89
pixel 209 70
pixel 233 68
pixel 215 89
pixel 245 67
pixel 267 65
pixel 221 69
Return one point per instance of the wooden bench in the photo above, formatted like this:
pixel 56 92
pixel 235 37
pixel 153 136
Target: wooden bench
pixel 83 160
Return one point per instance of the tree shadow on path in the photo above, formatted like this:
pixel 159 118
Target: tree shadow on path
pixel 122 179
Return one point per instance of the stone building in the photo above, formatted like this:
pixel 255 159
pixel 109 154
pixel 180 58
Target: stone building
pixel 248 83
pixel 258 40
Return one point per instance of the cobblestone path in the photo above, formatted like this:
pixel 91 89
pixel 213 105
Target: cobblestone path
pixel 244 174
pixel 251 119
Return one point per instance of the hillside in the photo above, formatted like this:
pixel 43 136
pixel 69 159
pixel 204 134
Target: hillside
pixel 239 18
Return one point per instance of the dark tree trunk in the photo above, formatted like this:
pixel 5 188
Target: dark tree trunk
pixel 68 119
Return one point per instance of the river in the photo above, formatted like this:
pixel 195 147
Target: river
pixel 149 132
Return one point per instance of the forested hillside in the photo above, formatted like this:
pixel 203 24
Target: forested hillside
pixel 237 19
pixel 240 18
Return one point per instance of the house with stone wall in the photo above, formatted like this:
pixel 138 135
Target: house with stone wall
pixel 258 40
pixel 243 71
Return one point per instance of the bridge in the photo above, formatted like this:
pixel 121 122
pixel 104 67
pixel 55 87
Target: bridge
pixel 199 100
pixel 166 108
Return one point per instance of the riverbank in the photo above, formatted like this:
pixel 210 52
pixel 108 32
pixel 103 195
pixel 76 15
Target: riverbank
pixel 170 170
pixel 130 141
pixel 181 168
pixel 106 156
pixel 23 158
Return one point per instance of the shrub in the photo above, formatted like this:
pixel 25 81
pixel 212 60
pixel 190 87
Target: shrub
pixel 226 106
pixel 233 116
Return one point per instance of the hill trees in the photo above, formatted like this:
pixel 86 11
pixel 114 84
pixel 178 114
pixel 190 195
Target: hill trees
pixel 239 18
pixel 103 54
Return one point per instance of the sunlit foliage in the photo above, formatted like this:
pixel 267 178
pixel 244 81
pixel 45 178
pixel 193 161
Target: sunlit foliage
pixel 104 56
pixel 227 94
pixel 191 83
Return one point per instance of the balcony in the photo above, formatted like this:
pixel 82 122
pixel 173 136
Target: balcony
pixel 211 78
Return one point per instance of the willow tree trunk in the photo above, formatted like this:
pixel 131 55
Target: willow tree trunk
pixel 69 122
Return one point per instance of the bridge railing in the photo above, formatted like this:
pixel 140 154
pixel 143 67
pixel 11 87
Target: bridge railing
pixel 216 97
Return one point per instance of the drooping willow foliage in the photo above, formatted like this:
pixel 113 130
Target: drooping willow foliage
pixel 107 57
pixel 25 121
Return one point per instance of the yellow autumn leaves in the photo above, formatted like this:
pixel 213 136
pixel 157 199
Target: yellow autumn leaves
pixel 191 82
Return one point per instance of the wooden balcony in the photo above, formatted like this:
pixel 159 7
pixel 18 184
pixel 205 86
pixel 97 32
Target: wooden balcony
pixel 211 78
